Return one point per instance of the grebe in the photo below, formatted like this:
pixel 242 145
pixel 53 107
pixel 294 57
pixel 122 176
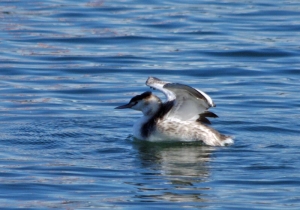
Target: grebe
pixel 181 118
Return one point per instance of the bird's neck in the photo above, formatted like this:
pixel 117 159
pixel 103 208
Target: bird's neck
pixel 152 109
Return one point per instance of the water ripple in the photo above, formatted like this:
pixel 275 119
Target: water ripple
pixel 66 65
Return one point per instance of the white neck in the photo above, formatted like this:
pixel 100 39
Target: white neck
pixel 152 107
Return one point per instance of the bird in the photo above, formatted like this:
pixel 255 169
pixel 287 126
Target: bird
pixel 182 117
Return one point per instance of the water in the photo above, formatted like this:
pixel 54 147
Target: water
pixel 65 65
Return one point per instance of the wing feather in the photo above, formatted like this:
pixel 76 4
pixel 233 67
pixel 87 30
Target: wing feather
pixel 189 103
pixel 156 83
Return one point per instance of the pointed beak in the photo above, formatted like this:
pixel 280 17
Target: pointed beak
pixel 124 106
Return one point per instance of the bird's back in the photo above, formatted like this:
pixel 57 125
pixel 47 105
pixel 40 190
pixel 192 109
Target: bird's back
pixel 188 131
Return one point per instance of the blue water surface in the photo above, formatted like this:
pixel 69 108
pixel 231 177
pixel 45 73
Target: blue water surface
pixel 66 64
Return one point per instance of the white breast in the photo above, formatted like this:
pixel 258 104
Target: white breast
pixel 137 127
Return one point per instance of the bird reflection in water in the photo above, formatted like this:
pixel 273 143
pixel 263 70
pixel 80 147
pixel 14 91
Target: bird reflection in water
pixel 173 172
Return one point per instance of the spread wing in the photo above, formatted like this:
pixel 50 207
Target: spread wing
pixel 190 103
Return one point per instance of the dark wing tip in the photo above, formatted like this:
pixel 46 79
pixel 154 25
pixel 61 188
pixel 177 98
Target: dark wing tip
pixel 209 114
pixel 203 117
pixel 203 120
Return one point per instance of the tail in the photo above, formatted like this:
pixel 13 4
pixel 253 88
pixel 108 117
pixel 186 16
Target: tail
pixel 226 140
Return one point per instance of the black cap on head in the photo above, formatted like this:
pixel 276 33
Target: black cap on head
pixel 141 97
pixel 134 100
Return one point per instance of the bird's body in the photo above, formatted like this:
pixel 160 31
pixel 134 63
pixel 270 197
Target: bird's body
pixel 180 118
